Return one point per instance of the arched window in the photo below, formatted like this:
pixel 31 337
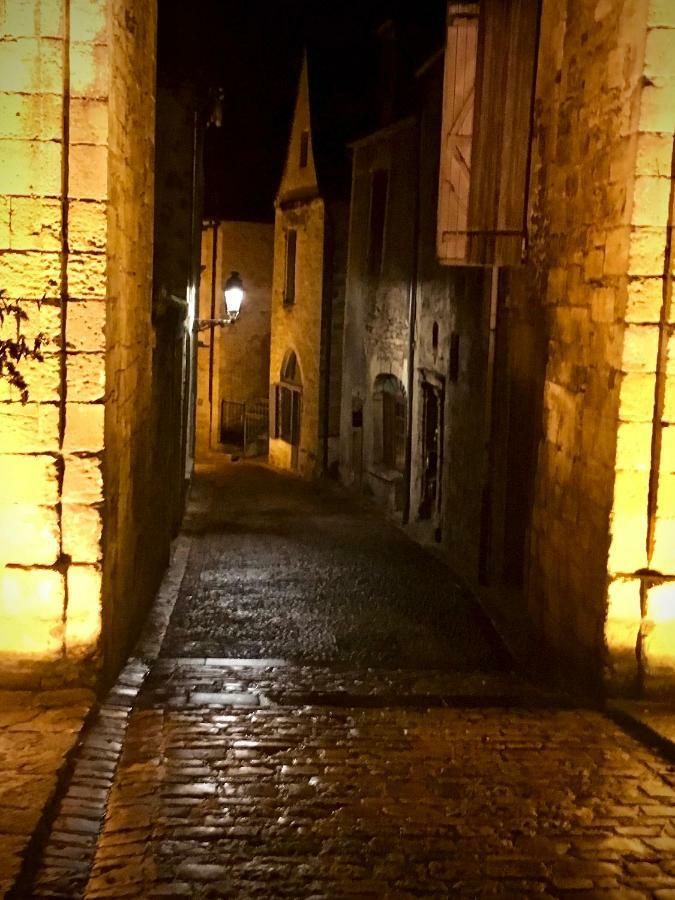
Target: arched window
pixel 288 401
pixel 290 371
pixel 389 422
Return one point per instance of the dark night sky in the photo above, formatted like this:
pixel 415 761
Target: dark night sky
pixel 253 49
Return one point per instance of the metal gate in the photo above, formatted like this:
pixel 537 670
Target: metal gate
pixel 232 423
pixel 245 425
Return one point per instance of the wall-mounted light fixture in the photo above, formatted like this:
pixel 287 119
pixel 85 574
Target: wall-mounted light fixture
pixel 233 296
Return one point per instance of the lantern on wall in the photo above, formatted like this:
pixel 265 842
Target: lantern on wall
pixel 233 297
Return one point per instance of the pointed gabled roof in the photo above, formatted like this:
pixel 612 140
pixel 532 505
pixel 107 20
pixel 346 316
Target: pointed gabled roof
pixel 299 178
pixel 326 169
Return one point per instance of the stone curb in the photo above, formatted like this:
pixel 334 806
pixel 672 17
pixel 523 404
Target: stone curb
pixel 61 851
pixel 646 722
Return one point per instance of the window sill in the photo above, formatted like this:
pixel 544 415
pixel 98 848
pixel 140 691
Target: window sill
pixel 384 473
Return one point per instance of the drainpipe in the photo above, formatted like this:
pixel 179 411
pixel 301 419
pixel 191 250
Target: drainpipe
pixel 412 323
pixel 212 337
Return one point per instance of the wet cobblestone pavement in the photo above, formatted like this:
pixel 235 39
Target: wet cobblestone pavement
pixel 281 568
pixel 252 759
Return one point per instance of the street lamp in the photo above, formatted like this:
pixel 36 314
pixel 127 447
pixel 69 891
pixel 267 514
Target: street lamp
pixel 233 296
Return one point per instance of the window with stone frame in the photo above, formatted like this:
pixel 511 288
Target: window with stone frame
pixel 289 271
pixel 304 149
pixel 379 189
pixel 488 89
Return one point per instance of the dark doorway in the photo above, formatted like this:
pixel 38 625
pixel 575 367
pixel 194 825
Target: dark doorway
pixel 432 443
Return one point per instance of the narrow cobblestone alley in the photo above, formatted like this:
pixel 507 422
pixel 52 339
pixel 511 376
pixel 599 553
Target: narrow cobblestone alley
pixel 331 717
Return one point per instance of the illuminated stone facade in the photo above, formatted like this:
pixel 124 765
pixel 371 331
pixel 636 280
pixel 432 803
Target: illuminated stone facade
pixel 307 299
pixel 76 212
pixel 553 372
pixel 595 298
pixel 237 371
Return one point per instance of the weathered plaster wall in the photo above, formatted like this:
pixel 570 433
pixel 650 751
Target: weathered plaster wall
pixel 241 361
pixel 297 326
pixel 176 264
pixel 76 157
pixel 457 300
pixel 376 319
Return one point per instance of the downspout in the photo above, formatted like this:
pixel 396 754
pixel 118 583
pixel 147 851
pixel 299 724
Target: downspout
pixel 412 327
pixel 190 353
pixel 212 329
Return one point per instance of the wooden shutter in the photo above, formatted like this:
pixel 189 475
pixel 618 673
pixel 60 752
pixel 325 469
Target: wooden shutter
pixel 490 228
pixel 274 411
pixel 457 131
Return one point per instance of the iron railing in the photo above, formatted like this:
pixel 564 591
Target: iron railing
pixel 245 425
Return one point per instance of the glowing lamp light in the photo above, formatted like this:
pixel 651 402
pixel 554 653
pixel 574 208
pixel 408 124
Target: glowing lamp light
pixel 234 294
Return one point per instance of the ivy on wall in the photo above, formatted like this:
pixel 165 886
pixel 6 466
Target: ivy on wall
pixel 16 349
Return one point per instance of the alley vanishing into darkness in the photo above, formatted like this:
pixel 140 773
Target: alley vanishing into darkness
pixel 330 716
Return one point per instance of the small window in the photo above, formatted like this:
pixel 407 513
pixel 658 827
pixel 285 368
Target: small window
pixel 390 415
pixel 291 249
pixel 378 212
pixel 304 149
pixel 434 337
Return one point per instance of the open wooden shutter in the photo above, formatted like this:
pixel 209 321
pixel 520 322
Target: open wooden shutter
pixel 492 229
pixel 456 140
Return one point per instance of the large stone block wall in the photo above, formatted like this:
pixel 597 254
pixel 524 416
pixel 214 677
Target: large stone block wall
pixel 76 114
pixel 241 357
pixel 640 630
pixel 298 327
pixel 132 562
pixel 591 298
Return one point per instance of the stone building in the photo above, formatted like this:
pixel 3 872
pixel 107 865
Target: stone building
pixel 538 376
pixel 80 550
pixel 570 240
pixel 234 360
pixel 375 378
pixel 308 291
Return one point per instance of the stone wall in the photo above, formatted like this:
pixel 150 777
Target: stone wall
pixel 297 327
pixel 133 563
pixel 76 192
pixel 456 300
pixel 241 359
pixel 590 299
pixel 376 318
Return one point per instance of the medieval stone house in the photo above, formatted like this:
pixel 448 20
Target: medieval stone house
pixel 308 292
pixel 536 384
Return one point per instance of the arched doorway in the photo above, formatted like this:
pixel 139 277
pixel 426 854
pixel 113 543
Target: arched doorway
pixel 289 405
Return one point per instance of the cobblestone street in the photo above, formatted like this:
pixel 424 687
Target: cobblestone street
pixel 331 717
